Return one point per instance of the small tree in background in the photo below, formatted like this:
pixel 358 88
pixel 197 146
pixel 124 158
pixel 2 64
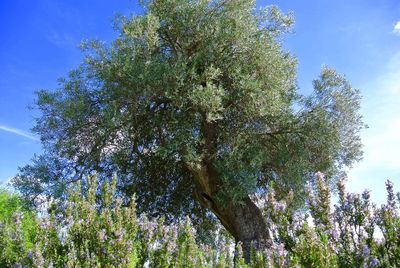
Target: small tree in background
pixel 18 229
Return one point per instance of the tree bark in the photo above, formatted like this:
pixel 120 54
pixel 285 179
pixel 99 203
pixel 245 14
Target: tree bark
pixel 243 220
pixel 246 224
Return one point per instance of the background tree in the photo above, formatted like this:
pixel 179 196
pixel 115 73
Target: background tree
pixel 16 219
pixel 194 103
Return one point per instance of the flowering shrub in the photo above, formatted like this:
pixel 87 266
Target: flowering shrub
pixel 100 229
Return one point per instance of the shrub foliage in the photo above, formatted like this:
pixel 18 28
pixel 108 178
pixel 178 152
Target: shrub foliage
pixel 100 229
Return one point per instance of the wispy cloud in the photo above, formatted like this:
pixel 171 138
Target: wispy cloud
pixel 18 132
pixel 396 28
pixel 381 109
pixel 61 39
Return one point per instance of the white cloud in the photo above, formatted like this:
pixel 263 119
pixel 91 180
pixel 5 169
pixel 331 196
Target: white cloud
pixel 61 39
pixel 381 111
pixel 382 146
pixel 382 142
pixel 18 132
pixel 396 28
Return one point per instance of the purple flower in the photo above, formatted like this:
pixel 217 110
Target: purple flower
pixel 334 233
pixel 38 259
pixel 366 195
pixel 30 255
pixel 280 250
pixel 279 206
pixel 18 218
pixel 374 262
pixel 309 189
pixel 320 175
pixel 102 235
pixel 341 184
pixel 366 251
pixel 119 234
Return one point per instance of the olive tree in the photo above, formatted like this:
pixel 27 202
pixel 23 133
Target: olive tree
pixel 195 106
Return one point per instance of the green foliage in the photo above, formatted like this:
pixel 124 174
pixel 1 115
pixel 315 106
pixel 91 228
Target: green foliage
pixel 17 229
pixel 388 221
pixel 188 86
pixel 95 230
pixel 9 203
pixel 313 249
pixel 94 235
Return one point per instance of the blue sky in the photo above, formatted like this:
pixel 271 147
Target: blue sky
pixel 360 38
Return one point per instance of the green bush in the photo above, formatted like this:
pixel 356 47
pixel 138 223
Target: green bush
pixel 18 226
pixel 96 227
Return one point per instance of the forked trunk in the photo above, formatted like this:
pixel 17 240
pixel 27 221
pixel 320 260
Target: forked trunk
pixel 243 220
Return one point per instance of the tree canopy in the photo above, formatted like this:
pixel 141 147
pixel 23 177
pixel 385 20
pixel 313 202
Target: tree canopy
pixel 194 105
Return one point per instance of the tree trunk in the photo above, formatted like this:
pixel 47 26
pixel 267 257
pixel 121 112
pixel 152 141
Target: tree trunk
pixel 246 224
pixel 244 220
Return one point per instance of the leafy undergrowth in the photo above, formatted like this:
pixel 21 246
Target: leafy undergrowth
pixel 102 230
